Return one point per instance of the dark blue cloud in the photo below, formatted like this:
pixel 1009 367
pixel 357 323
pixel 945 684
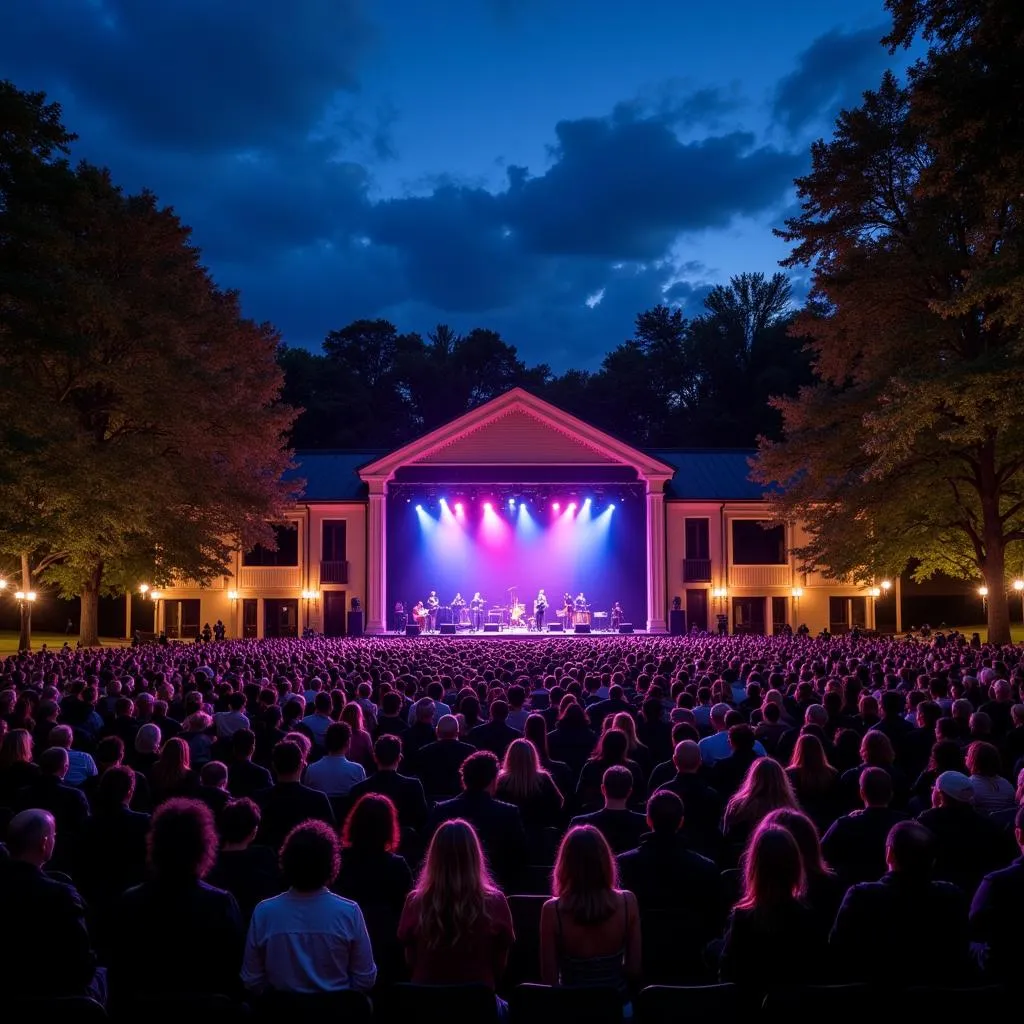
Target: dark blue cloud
pixel 831 73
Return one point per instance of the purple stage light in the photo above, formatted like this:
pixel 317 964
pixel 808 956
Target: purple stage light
pixel 556 507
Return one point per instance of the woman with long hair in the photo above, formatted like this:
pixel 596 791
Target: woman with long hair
pixel 612 749
pixel 360 748
pixel 823 889
pixel 536 731
pixel 624 722
pixel 456 926
pixel 375 876
pixel 524 783
pixel 815 782
pixel 590 930
pixel 771 929
pixel 17 769
pixel 766 788
pixel 172 775
pixel 572 740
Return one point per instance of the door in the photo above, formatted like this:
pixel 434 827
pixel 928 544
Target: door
pixel 780 614
pixel 280 616
pixel 334 613
pixel 697 609
pixel 748 615
pixel 250 617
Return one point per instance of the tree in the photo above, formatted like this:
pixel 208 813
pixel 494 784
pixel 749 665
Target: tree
pixel 140 414
pixel 910 444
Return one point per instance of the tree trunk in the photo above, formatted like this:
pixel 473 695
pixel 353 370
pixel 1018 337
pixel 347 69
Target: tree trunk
pixel 998 602
pixel 992 529
pixel 88 627
pixel 25 630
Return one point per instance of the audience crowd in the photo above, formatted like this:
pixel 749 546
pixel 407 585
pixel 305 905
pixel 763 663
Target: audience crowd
pixel 317 816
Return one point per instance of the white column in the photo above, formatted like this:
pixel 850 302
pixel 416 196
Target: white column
pixel 376 559
pixel 657 601
pixel 128 615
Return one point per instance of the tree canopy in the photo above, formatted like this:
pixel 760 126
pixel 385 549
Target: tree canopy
pixel 140 423
pixel 910 443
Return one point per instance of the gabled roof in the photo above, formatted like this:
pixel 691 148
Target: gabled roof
pixel 711 474
pixel 516 428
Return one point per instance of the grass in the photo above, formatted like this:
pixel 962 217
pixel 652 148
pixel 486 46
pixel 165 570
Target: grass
pixel 1016 631
pixel 9 641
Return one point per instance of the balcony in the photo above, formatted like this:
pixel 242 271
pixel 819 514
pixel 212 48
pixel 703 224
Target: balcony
pixel 254 577
pixel 696 570
pixel 333 572
pixel 760 576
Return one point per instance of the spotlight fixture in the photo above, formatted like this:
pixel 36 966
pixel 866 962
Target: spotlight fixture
pixel 458 508
pixel 611 507
pixel 556 506
pixel 488 507
pixel 419 508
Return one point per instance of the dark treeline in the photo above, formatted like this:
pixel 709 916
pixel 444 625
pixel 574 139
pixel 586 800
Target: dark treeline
pixel 678 382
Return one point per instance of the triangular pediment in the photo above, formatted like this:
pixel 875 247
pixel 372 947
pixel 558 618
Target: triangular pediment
pixel 517 428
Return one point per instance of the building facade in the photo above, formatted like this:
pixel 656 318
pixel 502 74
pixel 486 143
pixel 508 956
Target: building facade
pixel 708 547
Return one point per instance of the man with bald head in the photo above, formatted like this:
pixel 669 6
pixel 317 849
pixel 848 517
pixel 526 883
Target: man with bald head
pixel 44 947
pixel 438 763
pixel 703 806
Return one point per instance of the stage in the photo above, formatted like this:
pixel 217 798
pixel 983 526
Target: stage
pixel 515 634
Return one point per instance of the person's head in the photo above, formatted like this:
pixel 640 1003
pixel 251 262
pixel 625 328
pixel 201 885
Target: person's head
pixel 805 833
pixel 499 710
pixel 719 713
pixel 953 790
pixel 287 761
pixel 116 787
pixel 773 870
pixel 448 728
pixel 875 787
pixel 214 774
pixel 31 837
pixel 387 752
pixel 16 748
pixel 243 744
pixel 765 788
pixel 452 885
pixel 876 749
pixel 174 757
pixel 809 755
pixel 147 739
pixel 613 747
pixel 310 856
pixel 686 757
pixel 616 786
pixel 62 736
pixel 479 772
pixel 741 739
pixel 664 813
pixel 109 751
pixel 372 825
pixel 54 763
pixel 910 849
pixel 983 760
pixel 182 841
pixel 337 739
pixel 521 773
pixel 238 823
pixel 423 711
pixel 585 876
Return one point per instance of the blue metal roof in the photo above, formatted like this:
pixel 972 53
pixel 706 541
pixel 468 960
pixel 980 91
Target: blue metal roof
pixel 709 474
pixel 702 474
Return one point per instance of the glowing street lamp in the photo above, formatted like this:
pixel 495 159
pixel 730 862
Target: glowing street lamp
pixel 143 589
pixel 1018 585
pixel 23 596
pixel 3 584
pixel 232 596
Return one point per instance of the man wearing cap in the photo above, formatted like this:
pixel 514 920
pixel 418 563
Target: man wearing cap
pixel 968 845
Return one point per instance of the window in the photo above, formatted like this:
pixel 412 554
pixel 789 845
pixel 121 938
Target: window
pixel 698 541
pixel 334 540
pixel 755 543
pixel 287 552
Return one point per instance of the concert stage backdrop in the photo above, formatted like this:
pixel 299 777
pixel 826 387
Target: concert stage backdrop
pixel 456 542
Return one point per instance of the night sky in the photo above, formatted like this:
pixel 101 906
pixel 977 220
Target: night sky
pixel 546 168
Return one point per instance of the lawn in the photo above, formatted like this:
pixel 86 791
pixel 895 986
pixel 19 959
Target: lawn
pixel 9 641
pixel 1016 631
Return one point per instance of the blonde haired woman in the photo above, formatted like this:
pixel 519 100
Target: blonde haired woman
pixel 590 931
pixel 524 783
pixel 766 788
pixel 456 926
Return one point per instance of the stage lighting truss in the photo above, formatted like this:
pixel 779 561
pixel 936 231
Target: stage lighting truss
pixel 509 499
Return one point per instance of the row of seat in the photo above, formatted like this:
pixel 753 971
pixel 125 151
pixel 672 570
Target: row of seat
pixel 535 1004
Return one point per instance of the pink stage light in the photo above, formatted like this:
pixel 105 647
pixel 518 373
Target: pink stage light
pixel 572 506
pixel 556 506
pixel 488 507
pixel 458 508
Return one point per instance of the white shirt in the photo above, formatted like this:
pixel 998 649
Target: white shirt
pixel 308 942
pixel 334 775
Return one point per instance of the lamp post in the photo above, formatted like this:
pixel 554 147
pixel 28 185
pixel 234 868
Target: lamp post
pixel 797 593
pixel 155 596
pixel 720 594
pixel 233 598
pixel 983 594
pixel 309 596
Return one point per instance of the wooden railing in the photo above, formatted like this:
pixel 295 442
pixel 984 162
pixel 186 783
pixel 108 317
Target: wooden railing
pixel 333 572
pixel 696 570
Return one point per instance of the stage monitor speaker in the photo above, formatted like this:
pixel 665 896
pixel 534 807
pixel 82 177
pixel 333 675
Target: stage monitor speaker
pixel 355 623
pixel 412 629
pixel 625 627
pixel 556 627
pixel 581 628
pixel 491 627
pixel 447 628
pixel 677 622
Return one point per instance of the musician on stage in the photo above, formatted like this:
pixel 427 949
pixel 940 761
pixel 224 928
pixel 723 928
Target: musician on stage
pixel 580 603
pixel 567 604
pixel 432 606
pixel 400 617
pixel 419 614
pixel 458 602
pixel 476 610
pixel 539 607
pixel 617 615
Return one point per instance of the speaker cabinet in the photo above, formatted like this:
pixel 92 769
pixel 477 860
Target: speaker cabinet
pixel 447 628
pixel 582 628
pixel 677 622
pixel 625 627
pixel 412 629
pixel 355 623
pixel 490 627
pixel 556 627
